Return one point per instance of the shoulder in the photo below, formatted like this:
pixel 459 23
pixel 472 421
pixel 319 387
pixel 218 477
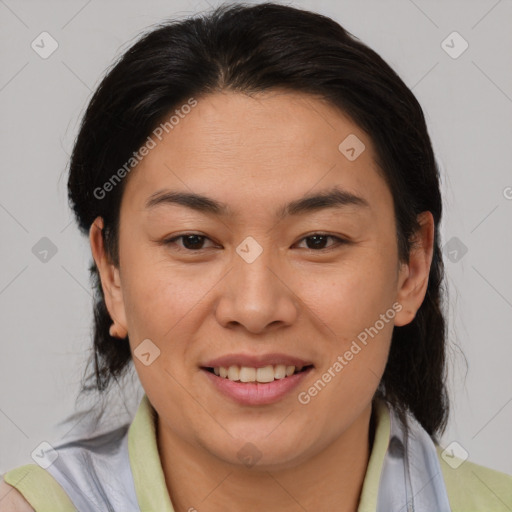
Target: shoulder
pixel 12 500
pixel 31 488
pixel 472 487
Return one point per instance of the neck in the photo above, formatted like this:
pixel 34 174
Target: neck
pixel 330 480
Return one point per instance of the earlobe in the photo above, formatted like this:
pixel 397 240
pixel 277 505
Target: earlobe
pixel 413 277
pixel 110 280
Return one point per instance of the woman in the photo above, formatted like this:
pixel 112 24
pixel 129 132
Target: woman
pixel 263 208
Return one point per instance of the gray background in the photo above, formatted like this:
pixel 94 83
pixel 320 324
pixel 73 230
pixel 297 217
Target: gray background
pixel 46 306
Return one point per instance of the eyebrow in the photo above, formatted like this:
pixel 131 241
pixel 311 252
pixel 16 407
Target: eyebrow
pixel 331 198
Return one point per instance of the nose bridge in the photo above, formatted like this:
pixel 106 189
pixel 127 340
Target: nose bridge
pixel 257 296
pixel 253 268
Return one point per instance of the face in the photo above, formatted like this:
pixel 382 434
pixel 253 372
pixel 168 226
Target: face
pixel 258 278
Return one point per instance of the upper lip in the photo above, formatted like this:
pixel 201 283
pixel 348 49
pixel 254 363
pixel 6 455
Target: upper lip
pixel 255 361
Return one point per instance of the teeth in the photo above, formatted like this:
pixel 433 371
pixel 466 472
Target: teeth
pixel 233 373
pixel 279 371
pixel 246 374
pixel 266 374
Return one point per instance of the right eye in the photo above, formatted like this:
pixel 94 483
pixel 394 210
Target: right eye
pixel 191 242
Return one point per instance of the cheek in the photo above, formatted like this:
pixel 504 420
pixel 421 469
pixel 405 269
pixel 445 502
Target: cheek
pixel 166 303
pixel 355 305
pixel 157 293
pixel 354 360
pixel 351 296
pixel 160 307
pixel 162 311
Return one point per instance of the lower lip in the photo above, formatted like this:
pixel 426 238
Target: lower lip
pixel 256 393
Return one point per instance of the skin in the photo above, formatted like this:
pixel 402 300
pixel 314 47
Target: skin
pixel 255 154
pixel 11 500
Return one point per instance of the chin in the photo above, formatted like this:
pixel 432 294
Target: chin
pixel 263 452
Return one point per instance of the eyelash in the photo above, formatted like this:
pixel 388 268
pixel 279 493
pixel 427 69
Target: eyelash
pixel 338 241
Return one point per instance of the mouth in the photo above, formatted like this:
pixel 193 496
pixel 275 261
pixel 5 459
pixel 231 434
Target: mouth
pixel 261 375
pixel 257 385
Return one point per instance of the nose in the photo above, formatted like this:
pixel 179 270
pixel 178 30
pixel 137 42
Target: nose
pixel 257 295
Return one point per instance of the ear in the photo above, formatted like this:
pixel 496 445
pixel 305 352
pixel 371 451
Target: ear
pixel 413 277
pixel 110 278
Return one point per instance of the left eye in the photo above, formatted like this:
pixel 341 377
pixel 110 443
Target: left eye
pixel 319 239
pixel 194 242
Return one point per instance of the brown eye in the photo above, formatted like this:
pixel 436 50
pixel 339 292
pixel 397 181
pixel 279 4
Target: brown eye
pixel 317 241
pixel 190 242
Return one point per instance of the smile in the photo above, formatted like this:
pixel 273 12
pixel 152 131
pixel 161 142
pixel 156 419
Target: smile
pixel 262 375
pixel 252 386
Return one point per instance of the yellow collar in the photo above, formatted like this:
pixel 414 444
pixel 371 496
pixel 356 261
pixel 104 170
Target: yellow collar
pixel 149 477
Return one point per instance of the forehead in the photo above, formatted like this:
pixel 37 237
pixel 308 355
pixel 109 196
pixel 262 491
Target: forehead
pixel 264 147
